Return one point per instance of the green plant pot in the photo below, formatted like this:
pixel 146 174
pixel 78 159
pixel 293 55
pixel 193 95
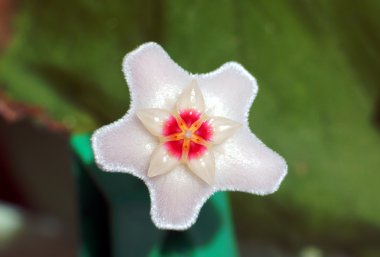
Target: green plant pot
pixel 115 220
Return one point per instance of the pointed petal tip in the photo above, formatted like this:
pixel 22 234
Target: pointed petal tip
pixel 204 167
pixel 208 180
pixel 138 49
pixel 177 206
pixel 153 119
pixel 152 173
pixel 141 114
pixel 194 82
pixel 282 172
pixel 161 162
pixel 205 177
pixel 238 67
pixel 191 98
pixel 148 46
pixel 175 227
pixel 223 128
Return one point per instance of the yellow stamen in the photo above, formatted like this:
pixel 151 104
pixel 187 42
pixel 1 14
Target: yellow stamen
pixel 173 137
pixel 200 140
pixel 185 150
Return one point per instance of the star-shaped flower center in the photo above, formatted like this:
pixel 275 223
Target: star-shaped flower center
pixel 186 135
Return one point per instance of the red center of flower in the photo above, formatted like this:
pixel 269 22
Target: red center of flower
pixel 187 135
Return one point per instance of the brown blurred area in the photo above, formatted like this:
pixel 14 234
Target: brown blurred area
pixel 43 191
pixel 47 224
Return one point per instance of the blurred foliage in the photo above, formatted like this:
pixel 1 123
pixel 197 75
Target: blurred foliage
pixel 317 65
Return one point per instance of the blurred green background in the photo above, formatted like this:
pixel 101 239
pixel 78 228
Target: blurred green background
pixel 317 64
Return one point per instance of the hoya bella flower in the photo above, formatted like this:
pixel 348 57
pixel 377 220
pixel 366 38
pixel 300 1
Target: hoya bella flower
pixel 187 136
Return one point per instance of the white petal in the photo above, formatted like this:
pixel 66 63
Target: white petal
pixel 161 162
pixel 191 98
pixel 154 79
pixel 153 119
pixel 244 163
pixel 177 198
pixel 222 128
pixel 204 167
pixel 229 91
pixel 124 146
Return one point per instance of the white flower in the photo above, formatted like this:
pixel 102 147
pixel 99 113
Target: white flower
pixel 187 136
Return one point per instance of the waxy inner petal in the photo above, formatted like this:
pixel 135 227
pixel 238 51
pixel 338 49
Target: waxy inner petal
pixel 191 98
pixel 161 162
pixel 186 135
pixel 153 119
pixel 223 128
pixel 204 167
